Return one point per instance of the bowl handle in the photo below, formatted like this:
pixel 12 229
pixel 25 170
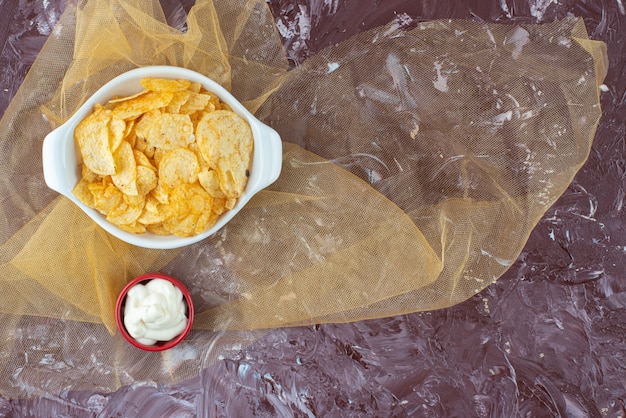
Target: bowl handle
pixel 54 159
pixel 272 154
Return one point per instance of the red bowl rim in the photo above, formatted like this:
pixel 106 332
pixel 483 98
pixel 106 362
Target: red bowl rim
pixel 159 346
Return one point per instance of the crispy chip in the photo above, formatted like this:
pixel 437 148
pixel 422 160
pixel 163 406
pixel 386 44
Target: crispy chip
pixel 166 131
pixel 92 138
pixel 146 180
pixel 161 193
pixel 130 109
pixel 82 192
pixel 142 145
pixel 116 100
pixel 177 167
pixel 158 229
pixel 133 228
pixel 131 136
pixel 179 98
pixel 145 122
pixel 89 175
pixel 164 84
pixel 176 207
pixel 206 220
pixel 125 177
pixel 209 180
pixel 142 159
pixel 106 196
pixel 152 212
pixel 219 206
pixel 230 203
pixel 166 160
pixel 127 211
pixel 117 128
pixel 215 103
pixel 197 101
pixel 129 129
pixel 158 156
pixel 201 162
pixel 225 141
pixel 192 210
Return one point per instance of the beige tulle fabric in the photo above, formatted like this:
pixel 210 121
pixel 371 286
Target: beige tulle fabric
pixel 417 160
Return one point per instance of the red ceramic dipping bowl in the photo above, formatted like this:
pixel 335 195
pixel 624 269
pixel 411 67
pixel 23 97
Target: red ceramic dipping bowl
pixel 159 345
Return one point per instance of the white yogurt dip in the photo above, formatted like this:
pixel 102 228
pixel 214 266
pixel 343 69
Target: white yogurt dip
pixel 154 311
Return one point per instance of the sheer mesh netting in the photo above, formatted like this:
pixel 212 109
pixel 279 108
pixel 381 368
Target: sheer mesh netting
pixel 417 160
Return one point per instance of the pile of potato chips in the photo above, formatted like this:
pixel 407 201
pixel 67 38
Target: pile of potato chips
pixel 168 160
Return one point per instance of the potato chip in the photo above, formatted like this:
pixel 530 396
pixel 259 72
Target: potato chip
pixel 230 203
pixel 89 175
pixel 195 118
pixel 137 106
pixel 166 131
pixel 92 138
pixel 158 229
pixel 133 228
pixel 131 136
pixel 129 129
pixel 127 211
pixel 201 161
pixel 204 221
pixel 183 226
pixel 125 177
pixel 209 180
pixel 82 192
pixel 152 212
pixel 142 159
pixel 145 122
pixel 230 185
pixel 143 129
pixel 179 98
pixel 198 200
pixel 166 160
pixel 193 208
pixel 164 84
pixel 215 103
pixel 176 207
pixel 146 180
pixel 177 167
pixel 219 206
pixel 106 196
pixel 225 141
pixel 117 128
pixel 161 193
pixel 158 156
pixel 197 101
pixel 119 99
pixel 141 144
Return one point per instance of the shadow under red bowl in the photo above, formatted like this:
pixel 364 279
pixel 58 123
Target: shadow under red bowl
pixel 159 345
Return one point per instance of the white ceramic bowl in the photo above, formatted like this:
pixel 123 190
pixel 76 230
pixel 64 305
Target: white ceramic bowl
pixel 61 160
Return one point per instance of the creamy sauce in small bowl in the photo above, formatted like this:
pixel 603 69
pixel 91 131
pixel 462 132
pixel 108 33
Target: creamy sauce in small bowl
pixel 154 312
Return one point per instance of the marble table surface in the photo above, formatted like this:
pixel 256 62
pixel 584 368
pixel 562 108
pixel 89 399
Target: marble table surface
pixel 546 340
